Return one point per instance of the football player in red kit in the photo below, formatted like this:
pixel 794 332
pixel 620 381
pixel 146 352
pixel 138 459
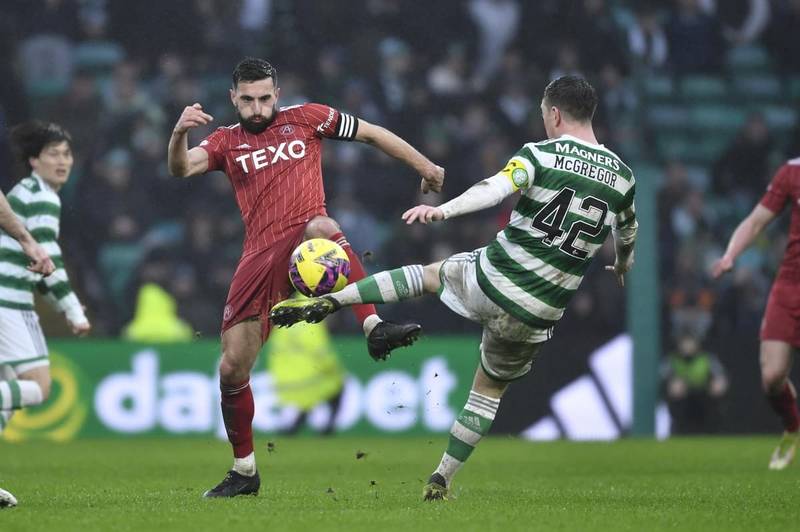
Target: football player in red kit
pixel 272 158
pixel 780 328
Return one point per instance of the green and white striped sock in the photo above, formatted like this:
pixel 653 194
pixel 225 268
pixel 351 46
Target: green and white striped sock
pixel 383 287
pixel 469 427
pixel 15 394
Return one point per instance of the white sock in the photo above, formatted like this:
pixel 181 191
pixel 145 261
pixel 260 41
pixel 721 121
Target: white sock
pixel 245 466
pixel 15 394
pixel 370 322
pixel 448 467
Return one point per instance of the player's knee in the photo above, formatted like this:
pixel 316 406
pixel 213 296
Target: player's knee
pixel 322 227
pixel 232 370
pixel 430 278
pixel 772 379
pixel 44 385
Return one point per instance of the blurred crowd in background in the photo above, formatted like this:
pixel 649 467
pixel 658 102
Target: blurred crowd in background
pixel 700 96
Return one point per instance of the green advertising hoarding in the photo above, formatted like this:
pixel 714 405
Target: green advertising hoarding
pixel 114 388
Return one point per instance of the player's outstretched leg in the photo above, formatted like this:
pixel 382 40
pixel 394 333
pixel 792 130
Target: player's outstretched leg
pixel 470 426
pixel 382 336
pixel 383 287
pixel 366 313
pixel 325 227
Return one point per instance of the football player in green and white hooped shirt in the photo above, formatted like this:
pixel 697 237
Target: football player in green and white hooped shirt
pixel 45 150
pixel 573 192
pixel 40 262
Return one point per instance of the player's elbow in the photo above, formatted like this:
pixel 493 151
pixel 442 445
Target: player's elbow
pixel 178 170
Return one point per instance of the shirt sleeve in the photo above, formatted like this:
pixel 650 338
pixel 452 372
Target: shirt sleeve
pixel 626 214
pixel 214 144
pixel 779 191
pixel 57 289
pixel 482 195
pixel 625 225
pixel 519 171
pixel 329 122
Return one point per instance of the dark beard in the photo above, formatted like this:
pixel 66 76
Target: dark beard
pixel 257 127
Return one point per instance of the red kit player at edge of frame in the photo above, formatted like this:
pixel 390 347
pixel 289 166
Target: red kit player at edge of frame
pixel 272 158
pixel 780 328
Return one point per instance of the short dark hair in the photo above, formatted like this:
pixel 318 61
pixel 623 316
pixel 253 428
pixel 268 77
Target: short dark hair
pixel 30 138
pixel 253 69
pixel 573 95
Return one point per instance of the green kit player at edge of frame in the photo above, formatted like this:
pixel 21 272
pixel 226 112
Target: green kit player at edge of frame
pixel 29 224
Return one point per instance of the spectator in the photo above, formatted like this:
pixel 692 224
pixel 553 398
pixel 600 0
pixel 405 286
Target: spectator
pixel 744 165
pixel 597 35
pixel 743 21
pixel 448 78
pixel 694 380
pixel 647 41
pixel 497 22
pixel 694 39
pixel 307 373
pixel 156 319
pixel 568 62
pixel 781 38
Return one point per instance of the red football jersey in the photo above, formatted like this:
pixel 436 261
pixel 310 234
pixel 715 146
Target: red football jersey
pixel 277 174
pixel 785 188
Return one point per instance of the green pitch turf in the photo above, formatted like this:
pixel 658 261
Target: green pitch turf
pixel 318 484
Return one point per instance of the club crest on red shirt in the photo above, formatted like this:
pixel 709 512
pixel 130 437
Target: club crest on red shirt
pixel 286 129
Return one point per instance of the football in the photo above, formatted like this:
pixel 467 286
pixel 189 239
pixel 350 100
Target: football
pixel 318 267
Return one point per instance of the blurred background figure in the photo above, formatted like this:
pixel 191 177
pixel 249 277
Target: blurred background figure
pixel 695 381
pixel 306 372
pixel 156 318
pixel 694 378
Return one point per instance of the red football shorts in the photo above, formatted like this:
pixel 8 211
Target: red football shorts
pixel 261 280
pixel 782 316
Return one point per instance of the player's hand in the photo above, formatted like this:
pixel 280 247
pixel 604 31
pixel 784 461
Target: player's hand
pixel 40 260
pixel 81 329
pixel 423 214
pixel 192 116
pixel 432 179
pixel 620 268
pixel 722 265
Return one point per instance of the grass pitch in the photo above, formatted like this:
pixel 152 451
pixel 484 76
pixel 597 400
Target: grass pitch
pixel 314 484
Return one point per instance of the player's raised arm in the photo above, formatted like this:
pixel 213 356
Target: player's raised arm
pixel 391 144
pixel 742 237
pixel 482 195
pixel 517 174
pixel 182 161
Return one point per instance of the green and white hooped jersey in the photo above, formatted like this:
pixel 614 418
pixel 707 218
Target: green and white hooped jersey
pixel 573 192
pixel 38 207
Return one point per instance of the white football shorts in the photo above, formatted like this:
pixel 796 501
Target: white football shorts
pixel 22 344
pixel 508 346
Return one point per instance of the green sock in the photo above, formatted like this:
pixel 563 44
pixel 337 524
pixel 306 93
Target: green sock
pixel 469 427
pixel 383 287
